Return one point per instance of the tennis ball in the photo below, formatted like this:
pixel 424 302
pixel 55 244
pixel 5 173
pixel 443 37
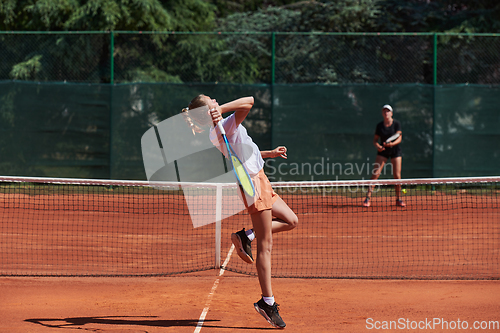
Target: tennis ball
pixel 404 191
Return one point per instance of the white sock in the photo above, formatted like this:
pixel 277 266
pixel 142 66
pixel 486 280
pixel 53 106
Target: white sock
pixel 250 234
pixel 269 300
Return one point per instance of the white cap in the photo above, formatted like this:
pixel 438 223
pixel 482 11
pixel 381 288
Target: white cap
pixel 388 107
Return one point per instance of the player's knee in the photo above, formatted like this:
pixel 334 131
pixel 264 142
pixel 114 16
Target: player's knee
pixel 265 246
pixel 375 175
pixel 293 221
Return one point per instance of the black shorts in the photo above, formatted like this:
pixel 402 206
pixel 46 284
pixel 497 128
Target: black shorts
pixel 390 154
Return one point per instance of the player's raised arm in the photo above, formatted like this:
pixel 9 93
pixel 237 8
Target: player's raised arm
pixel 276 152
pixel 242 106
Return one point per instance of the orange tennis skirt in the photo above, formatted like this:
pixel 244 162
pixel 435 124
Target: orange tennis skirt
pixel 266 195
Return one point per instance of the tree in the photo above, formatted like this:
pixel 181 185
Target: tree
pixel 226 8
pixel 43 56
pixel 301 58
pixel 106 15
pixel 440 16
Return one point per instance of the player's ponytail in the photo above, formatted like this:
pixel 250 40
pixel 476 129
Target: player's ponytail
pixel 187 118
pixel 194 120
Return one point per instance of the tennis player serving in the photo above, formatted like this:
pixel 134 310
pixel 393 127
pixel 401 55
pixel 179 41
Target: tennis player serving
pixel 387 132
pixel 268 212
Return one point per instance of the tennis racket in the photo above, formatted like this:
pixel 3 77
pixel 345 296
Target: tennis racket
pixel 239 170
pixel 393 138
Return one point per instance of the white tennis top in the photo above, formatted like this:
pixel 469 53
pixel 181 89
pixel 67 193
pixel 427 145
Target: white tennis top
pixel 242 143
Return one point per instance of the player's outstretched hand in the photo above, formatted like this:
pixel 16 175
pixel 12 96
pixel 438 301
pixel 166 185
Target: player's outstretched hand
pixel 280 152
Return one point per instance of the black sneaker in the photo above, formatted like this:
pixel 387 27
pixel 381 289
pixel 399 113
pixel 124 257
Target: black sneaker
pixel 243 245
pixel 271 313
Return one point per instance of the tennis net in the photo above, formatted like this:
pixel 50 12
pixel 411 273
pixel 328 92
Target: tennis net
pixel 449 229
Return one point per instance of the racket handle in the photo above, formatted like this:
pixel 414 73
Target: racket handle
pixel 221 128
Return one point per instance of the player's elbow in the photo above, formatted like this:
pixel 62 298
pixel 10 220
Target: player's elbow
pixel 293 222
pixel 249 101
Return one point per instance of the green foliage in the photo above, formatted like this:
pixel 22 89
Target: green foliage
pixel 150 74
pixel 440 16
pixel 226 8
pixel 61 54
pixel 295 51
pixel 362 15
pixel 307 16
pixel 27 70
pixel 271 19
pixel 120 15
pixel 191 15
pixel 98 15
pixel 245 57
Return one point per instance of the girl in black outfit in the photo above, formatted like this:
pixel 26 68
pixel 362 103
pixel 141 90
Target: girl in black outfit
pixel 392 150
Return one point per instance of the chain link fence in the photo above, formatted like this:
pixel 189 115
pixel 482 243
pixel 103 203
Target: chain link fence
pixel 251 58
pixel 76 104
pixel 55 57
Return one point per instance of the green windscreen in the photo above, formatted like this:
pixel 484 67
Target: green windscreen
pixel 94 130
pixel 467 132
pixel 329 130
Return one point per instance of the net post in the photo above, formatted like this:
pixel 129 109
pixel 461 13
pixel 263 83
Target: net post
pixel 218 224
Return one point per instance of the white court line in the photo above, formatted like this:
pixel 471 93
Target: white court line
pixel 212 292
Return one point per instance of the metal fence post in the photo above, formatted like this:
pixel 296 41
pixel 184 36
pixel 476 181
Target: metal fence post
pixel 273 64
pixel 111 84
pixel 434 86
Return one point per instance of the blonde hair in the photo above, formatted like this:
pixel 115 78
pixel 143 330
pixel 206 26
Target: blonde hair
pixel 192 120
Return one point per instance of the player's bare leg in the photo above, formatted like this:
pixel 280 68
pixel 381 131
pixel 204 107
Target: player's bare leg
pixel 396 164
pixel 263 228
pixel 378 166
pixel 284 218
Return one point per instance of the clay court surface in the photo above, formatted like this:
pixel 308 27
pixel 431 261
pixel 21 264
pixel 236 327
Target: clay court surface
pixel 430 238
pixel 175 304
